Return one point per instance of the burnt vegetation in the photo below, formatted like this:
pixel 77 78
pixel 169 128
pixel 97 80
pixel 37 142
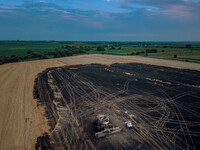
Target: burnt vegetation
pixel 162 103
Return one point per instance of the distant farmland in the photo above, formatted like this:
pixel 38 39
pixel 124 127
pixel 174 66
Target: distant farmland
pixel 14 51
pixel 8 48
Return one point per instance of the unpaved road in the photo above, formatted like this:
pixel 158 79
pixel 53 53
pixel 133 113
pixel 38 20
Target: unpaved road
pixel 20 120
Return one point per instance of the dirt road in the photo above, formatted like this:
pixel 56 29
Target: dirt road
pixel 20 120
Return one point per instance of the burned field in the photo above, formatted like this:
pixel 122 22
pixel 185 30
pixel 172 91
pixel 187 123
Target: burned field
pixel 162 103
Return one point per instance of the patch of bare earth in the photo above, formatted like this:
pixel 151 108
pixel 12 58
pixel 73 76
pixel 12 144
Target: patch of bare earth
pixel 21 121
pixel 110 59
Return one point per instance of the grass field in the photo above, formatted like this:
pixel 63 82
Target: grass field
pixel 165 50
pixel 8 48
pixel 183 54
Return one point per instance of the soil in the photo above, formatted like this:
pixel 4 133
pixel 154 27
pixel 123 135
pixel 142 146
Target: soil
pixel 22 120
pixel 110 59
pixel 162 103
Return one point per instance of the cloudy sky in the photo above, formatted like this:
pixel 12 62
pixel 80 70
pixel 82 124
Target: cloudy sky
pixel 113 20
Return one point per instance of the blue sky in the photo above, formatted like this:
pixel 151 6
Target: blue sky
pixel 113 20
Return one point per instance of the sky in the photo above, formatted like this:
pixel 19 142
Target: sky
pixel 100 20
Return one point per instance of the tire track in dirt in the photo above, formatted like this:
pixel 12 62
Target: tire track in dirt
pixel 86 92
pixel 16 93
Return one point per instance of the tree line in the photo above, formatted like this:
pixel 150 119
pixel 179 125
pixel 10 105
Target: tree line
pixel 63 52
pixel 147 51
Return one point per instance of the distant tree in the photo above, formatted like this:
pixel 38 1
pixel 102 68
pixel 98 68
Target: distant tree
pixel 68 53
pixel 74 47
pixel 153 51
pixel 188 46
pixel 100 48
pixel 112 47
pixel 147 50
pixel 56 54
pixel 1 60
pixel 29 52
pixel 68 47
pixel 43 56
pixel 14 58
pixel 175 56
pixel 142 52
pixel 87 49
pixel 163 50
pixel 36 55
pixel 49 53
pixel 79 51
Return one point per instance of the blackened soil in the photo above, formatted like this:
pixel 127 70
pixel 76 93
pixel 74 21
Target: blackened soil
pixel 43 142
pixel 162 103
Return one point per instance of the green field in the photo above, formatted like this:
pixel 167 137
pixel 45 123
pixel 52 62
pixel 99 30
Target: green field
pixel 183 54
pixel 192 55
pixel 8 48
pixel 164 50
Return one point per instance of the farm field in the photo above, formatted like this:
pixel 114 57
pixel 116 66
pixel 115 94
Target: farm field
pixel 162 53
pixel 14 51
pixel 162 103
pixel 22 120
pixel 99 75
pixel 8 48
pixel 110 59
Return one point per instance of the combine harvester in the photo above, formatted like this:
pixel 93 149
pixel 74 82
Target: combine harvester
pixel 104 127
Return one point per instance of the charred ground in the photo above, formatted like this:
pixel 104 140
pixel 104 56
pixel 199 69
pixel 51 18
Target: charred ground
pixel 162 102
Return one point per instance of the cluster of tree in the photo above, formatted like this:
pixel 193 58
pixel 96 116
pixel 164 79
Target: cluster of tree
pixel 100 48
pixel 64 53
pixel 147 51
pixel 151 51
pixel 188 46
pixel 40 55
pixel 18 58
pixel 177 46
pixel 112 47
pixel 72 48
pixel 138 53
pixel 58 53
